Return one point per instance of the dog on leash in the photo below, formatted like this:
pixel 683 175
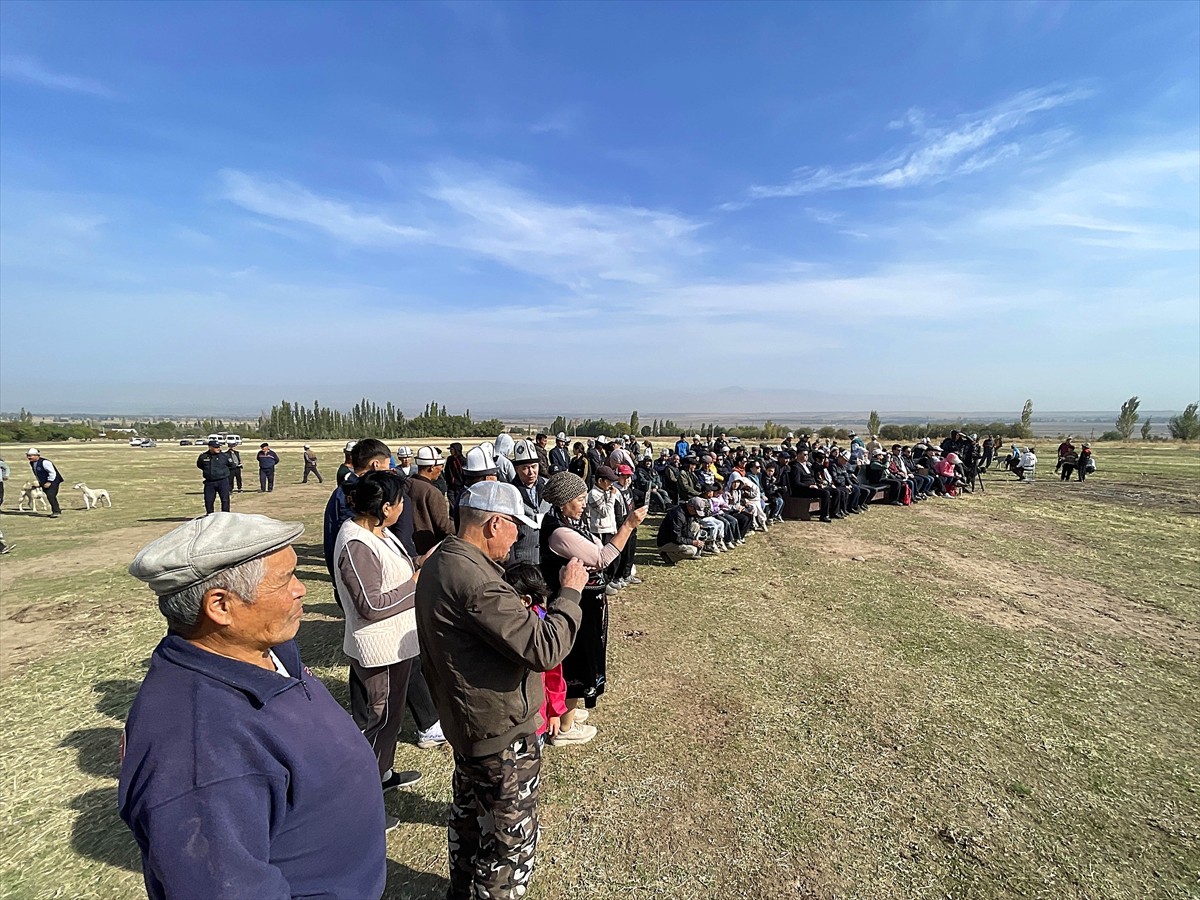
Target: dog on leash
pixel 32 495
pixel 92 497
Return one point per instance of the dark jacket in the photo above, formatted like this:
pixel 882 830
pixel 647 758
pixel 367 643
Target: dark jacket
pixel 560 460
pixel 268 459
pixel 42 475
pixel 215 466
pixel 430 514
pixel 689 486
pixel 238 781
pixel 675 528
pixel 481 648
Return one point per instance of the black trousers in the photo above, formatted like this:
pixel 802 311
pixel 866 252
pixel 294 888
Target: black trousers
pixel 822 494
pixel 420 701
pixel 55 509
pixel 313 470
pixel 235 479
pixel 214 489
pixel 377 697
pixel 266 479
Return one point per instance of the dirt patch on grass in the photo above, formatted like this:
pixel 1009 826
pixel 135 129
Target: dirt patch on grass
pixel 1016 596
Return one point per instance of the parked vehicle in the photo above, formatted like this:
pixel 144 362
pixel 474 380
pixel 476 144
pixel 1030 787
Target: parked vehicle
pixel 147 443
pixel 135 441
pixel 186 442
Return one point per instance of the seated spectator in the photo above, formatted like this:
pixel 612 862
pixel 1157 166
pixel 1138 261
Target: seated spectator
pixel 679 533
pixel 1026 465
pixel 647 486
pixel 772 494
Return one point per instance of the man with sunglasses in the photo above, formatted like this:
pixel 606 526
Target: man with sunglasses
pixel 482 650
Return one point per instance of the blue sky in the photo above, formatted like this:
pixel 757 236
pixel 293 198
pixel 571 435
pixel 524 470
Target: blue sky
pixel 942 206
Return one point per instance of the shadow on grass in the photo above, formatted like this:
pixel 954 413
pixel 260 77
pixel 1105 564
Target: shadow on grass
pixel 311 558
pixel 405 883
pixel 99 750
pixel 170 519
pixel 98 832
pixel 321 643
pixel 410 807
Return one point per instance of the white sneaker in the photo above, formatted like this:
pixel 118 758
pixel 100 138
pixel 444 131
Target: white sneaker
pixel 581 714
pixel 431 738
pixel 576 734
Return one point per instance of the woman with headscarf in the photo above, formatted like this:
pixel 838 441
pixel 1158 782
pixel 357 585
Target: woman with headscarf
pixel 377 581
pixel 564 537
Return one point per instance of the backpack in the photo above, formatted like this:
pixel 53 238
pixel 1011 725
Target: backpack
pixel 906 495
pixel 1090 465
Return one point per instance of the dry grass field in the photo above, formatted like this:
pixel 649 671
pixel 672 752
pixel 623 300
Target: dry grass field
pixel 997 696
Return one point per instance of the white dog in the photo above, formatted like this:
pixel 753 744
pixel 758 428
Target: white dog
pixel 93 496
pixel 31 496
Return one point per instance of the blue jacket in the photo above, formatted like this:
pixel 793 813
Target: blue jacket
pixel 240 782
pixel 268 460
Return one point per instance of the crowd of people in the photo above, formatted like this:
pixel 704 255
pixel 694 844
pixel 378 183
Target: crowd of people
pixel 475 588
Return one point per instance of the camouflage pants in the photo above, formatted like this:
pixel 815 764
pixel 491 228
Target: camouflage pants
pixel 493 827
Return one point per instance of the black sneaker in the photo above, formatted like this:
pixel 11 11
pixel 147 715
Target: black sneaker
pixel 390 822
pixel 401 779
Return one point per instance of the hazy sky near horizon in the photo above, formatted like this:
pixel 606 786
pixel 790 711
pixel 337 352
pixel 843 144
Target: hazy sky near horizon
pixel 953 205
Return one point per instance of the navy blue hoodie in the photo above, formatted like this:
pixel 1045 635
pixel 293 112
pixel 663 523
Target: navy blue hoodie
pixel 241 782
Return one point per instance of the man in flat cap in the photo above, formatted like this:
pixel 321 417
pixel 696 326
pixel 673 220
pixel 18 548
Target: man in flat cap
pixel 240 775
pixel 482 649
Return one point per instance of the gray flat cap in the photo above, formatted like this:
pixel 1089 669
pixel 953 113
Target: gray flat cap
pixel 203 547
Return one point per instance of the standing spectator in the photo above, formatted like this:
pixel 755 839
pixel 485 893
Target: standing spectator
pixel 503 447
pixel 47 478
pixel 377 581
pixel 564 537
pixel 543 455
pixel 530 484
pixel 404 464
pixel 268 459
pixel 560 456
pixel 217 469
pixel 4 473
pixel 345 469
pixel 682 446
pixel 235 756
pixel 580 464
pixel 455 481
pixel 1087 463
pixel 484 649
pixel 430 509
pixel 310 465
pixel 235 466
pixel 601 505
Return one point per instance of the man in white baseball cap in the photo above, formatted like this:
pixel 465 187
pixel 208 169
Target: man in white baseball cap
pixel 481 651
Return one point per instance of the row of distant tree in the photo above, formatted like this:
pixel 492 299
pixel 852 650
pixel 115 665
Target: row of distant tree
pixel 290 420
pixel 1183 427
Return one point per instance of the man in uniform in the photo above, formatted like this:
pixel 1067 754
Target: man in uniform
pixel 310 465
pixel 241 775
pixel 482 650
pixel 217 468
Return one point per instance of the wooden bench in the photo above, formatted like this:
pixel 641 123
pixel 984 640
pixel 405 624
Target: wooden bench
pixel 802 509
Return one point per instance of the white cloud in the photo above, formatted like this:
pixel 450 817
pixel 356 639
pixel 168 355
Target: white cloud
pixel 973 142
pixel 578 245
pixel 30 71
pixel 286 200
pixel 1143 201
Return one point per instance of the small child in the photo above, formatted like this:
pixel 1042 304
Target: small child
pixel 527 580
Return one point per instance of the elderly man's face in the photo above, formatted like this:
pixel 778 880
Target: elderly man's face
pixel 274 616
pixel 528 473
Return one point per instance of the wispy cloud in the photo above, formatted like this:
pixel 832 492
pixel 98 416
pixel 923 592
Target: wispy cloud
pixel 280 199
pixel 30 71
pixel 973 142
pixel 575 244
